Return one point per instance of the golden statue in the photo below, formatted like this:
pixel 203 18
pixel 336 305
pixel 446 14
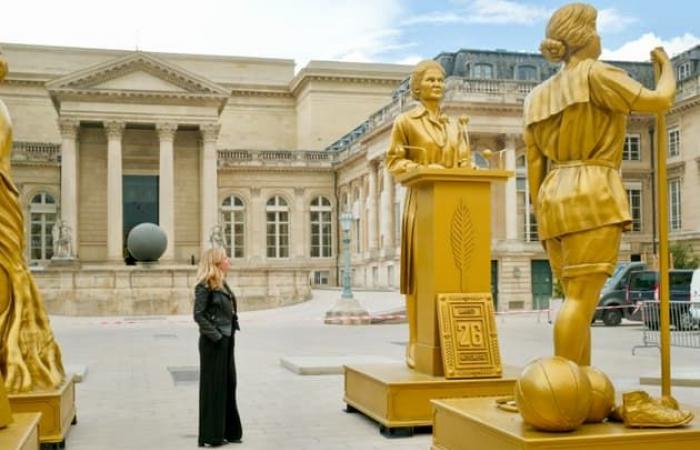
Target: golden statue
pixel 574 131
pixel 424 136
pixel 30 359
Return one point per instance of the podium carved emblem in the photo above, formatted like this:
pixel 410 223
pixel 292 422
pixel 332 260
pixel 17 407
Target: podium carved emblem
pixel 468 337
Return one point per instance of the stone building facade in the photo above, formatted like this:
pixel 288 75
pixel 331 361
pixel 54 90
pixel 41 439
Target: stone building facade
pixel 107 139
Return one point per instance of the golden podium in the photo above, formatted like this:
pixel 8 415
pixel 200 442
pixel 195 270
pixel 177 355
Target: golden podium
pixel 452 265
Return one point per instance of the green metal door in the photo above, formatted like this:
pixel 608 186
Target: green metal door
pixel 140 197
pixel 494 283
pixel 541 283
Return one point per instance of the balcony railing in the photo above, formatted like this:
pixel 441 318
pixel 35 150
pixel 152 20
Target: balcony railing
pixel 456 89
pixel 36 152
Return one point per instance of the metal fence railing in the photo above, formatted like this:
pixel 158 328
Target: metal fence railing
pixel 685 318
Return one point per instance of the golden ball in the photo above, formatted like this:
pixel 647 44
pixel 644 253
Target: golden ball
pixel 602 394
pixel 553 394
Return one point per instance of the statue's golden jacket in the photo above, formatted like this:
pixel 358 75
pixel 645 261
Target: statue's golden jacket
pixel 575 131
pixel 417 138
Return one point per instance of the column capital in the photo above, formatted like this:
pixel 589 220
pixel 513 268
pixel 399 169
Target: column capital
pixel 299 191
pixel 210 132
pixel 68 128
pixel 166 130
pixel 114 129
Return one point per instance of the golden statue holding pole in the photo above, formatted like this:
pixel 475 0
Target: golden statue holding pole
pixel 575 126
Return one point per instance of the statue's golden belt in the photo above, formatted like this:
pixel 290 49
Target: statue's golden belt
pixel 581 162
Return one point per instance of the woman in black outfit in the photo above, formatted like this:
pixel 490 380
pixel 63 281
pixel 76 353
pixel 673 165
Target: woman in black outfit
pixel 215 313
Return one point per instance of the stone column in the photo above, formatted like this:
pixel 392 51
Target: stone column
pixel 208 182
pixel 256 235
pixel 299 220
pixel 363 216
pixel 166 186
pixel 69 178
pixel 115 220
pixel 373 226
pixel 511 194
pixel 388 212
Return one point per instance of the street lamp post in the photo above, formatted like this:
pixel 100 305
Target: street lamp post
pixel 347 310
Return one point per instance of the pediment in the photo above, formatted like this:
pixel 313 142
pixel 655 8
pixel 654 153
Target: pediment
pixel 139 80
pixel 137 72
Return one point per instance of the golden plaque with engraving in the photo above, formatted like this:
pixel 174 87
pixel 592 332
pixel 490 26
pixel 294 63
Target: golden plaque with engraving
pixel 468 336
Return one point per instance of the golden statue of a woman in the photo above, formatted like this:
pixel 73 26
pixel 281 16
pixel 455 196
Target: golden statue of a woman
pixel 426 137
pixel 30 359
pixel 575 125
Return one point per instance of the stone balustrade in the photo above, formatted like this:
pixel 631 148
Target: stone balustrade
pixel 36 152
pixel 297 158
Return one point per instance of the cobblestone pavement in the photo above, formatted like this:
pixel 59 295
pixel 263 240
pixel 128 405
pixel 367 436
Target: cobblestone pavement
pixel 140 393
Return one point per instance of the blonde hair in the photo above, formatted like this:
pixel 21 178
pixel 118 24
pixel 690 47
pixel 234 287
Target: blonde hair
pixel 419 73
pixel 209 272
pixel 570 28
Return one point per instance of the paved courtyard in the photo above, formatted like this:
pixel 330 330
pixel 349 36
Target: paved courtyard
pixel 140 390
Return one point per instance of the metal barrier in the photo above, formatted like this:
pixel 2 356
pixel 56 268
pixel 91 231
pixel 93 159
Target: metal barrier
pixel 685 318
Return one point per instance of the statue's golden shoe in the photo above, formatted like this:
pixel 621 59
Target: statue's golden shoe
pixel 639 410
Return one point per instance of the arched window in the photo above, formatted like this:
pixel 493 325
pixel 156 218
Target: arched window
pixel 526 73
pixel 320 216
pixel 277 219
pixel 42 213
pixel 481 70
pixel 233 211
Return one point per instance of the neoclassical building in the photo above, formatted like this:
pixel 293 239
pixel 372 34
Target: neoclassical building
pixel 109 139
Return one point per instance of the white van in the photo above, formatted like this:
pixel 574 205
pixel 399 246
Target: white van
pixel 695 296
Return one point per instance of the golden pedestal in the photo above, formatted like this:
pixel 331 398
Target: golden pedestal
pixel 399 398
pixel 22 433
pixel 57 408
pixel 476 424
pixel 452 251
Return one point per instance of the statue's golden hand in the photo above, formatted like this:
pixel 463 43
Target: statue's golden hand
pixel 410 165
pixel 465 163
pixel 659 56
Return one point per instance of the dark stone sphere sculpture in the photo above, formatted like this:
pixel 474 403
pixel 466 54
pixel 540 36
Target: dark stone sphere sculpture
pixel 147 242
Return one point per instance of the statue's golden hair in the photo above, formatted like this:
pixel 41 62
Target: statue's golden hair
pixel 571 27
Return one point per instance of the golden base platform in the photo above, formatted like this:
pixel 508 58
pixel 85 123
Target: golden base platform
pixel 57 408
pixel 476 424
pixel 399 398
pixel 22 433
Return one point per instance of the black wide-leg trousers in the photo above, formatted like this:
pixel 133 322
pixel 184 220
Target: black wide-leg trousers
pixel 218 411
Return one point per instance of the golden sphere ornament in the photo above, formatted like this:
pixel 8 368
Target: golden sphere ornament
pixel 602 394
pixel 553 394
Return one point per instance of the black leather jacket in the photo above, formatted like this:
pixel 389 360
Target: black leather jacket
pixel 215 311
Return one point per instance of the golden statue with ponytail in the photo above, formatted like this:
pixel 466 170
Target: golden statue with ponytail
pixel 575 125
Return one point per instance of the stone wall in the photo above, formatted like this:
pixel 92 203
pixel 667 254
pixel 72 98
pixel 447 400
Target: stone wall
pixel 135 291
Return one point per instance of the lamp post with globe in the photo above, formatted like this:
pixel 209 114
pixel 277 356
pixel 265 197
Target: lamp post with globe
pixel 347 309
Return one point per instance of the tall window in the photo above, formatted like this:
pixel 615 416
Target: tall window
pixel 484 71
pixel 683 71
pixel 674 142
pixel 320 227
pixel 234 226
pixel 277 219
pixel 631 150
pixel 674 200
pixel 527 73
pixel 42 212
pixel 634 198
